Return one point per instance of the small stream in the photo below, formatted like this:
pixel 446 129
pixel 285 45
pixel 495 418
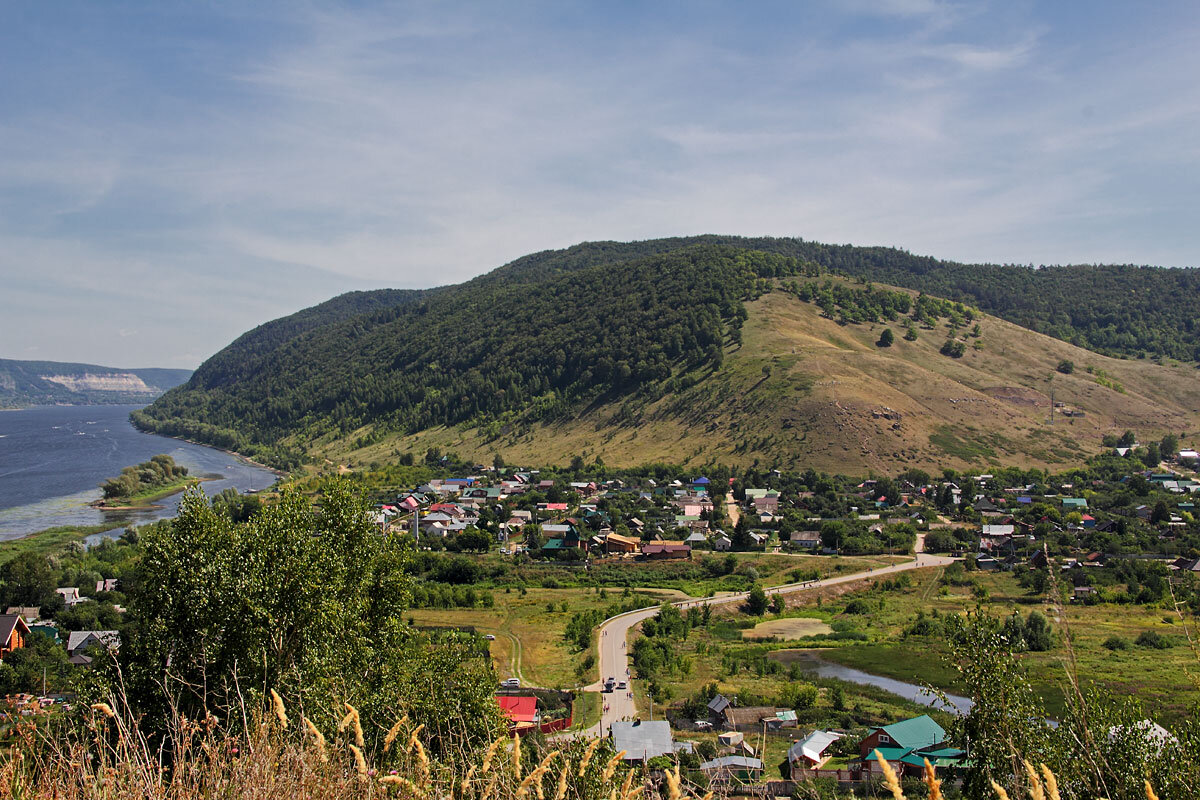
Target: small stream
pixel 909 691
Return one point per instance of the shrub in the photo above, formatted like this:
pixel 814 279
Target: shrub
pixel 1115 643
pixel 1153 640
pixel 857 606
pixel 1066 366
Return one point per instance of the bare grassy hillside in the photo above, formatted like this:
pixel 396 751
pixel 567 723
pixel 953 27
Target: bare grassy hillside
pixel 802 390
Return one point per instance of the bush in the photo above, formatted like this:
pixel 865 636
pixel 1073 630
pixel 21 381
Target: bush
pixel 857 606
pixel 1066 367
pixel 1153 640
pixel 1115 643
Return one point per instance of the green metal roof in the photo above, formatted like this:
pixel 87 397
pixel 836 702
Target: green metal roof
pixel 917 732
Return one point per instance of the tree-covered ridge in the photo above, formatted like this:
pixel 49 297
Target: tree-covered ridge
pixel 248 351
pixel 1118 309
pixel 478 350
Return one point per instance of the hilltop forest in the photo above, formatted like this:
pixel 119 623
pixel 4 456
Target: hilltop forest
pixel 559 331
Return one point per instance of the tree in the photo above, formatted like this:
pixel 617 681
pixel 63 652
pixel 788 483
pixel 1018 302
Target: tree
pixel 756 601
pixel 777 604
pixel 307 604
pixel 1038 634
pixel 1161 513
pixel 1066 366
pixel 28 580
pixel 1128 439
pixel 886 338
pixel 1169 445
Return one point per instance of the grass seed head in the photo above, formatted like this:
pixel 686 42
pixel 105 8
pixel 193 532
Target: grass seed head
pixel 393 732
pixel 611 767
pixel 587 755
pixel 889 777
pixel 1000 793
pixel 279 709
pixel 1035 785
pixel 1051 783
pixel 360 763
pixel 932 783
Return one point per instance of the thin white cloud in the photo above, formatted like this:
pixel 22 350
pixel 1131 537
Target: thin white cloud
pixel 418 147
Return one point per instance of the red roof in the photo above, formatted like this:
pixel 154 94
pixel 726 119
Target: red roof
pixel 409 503
pixel 518 709
pixel 556 506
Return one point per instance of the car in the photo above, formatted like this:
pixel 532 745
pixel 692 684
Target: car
pixel 491 637
pixel 510 683
pixel 622 685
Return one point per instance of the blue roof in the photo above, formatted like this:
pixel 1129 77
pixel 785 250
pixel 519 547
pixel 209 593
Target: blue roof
pixel 701 481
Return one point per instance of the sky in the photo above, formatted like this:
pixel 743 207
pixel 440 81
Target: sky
pixel 173 174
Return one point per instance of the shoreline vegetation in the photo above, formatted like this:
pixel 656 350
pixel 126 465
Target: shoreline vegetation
pixel 49 540
pixel 144 501
pixel 138 486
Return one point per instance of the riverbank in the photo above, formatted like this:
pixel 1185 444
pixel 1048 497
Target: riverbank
pixel 49 541
pixel 144 501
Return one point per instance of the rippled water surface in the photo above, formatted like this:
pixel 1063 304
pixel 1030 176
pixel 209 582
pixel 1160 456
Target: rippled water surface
pixel 53 459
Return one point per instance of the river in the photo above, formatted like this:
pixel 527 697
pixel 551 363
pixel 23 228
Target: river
pixel 53 459
pixel 909 691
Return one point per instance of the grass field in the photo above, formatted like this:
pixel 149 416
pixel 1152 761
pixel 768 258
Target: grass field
pixel 787 628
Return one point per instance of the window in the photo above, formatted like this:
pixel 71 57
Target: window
pixel 885 739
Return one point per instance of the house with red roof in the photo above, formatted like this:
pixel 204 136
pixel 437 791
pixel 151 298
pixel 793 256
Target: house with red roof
pixel 521 711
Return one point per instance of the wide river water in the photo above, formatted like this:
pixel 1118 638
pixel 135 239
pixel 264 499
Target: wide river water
pixel 53 459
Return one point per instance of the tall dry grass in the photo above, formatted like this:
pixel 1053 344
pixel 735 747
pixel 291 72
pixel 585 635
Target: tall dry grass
pixel 110 758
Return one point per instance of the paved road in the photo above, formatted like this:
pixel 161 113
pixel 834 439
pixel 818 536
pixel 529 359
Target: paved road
pixel 613 634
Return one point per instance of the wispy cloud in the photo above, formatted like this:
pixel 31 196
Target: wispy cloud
pixel 224 166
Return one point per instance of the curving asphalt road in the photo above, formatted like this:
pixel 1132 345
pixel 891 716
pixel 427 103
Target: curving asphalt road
pixel 613 634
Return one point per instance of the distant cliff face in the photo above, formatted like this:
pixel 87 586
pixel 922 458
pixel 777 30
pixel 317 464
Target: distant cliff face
pixel 104 382
pixel 32 383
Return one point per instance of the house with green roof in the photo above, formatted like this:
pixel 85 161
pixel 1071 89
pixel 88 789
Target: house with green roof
pixel 1074 503
pixel 906 744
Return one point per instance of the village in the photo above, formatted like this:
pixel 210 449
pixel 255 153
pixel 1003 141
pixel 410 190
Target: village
pixel 1117 531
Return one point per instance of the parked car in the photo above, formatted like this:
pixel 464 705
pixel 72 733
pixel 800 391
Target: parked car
pixel 622 685
pixel 491 637
pixel 510 683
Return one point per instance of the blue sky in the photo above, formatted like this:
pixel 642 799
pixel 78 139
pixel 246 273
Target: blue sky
pixel 173 174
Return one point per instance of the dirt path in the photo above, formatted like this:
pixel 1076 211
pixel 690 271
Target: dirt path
pixel 731 508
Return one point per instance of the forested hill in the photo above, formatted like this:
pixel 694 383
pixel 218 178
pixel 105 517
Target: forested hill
pixel 32 383
pixel 477 351
pixel 537 337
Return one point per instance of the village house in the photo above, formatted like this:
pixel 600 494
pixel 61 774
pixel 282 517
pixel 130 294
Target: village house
pixel 810 752
pixel 905 745
pixel 642 741
pixel 13 633
pixel 732 770
pixel 667 550
pixel 29 613
pixel 749 718
pixel 616 543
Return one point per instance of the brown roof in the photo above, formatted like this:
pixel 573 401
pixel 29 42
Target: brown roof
pixel 666 547
pixel 750 715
